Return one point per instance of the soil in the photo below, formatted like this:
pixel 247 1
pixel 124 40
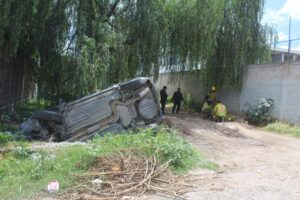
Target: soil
pixel 253 164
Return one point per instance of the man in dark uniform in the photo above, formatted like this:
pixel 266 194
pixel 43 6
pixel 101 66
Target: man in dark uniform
pixel 177 98
pixel 163 99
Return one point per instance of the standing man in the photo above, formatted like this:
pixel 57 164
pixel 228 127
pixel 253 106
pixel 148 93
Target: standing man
pixel 163 99
pixel 177 98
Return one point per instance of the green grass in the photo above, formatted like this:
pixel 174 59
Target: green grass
pixel 5 138
pixel 25 173
pixel 283 128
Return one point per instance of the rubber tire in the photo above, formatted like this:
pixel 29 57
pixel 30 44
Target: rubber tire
pixel 48 115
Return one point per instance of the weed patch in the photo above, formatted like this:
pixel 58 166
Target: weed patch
pixel 24 173
pixel 283 128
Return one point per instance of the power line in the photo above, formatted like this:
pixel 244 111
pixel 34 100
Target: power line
pixel 288 40
pixel 284 41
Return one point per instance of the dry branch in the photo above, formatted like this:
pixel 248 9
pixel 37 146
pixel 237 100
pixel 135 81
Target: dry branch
pixel 137 175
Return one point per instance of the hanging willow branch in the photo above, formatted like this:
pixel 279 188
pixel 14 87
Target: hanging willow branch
pixel 116 40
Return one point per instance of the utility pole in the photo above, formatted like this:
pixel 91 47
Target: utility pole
pixel 289 49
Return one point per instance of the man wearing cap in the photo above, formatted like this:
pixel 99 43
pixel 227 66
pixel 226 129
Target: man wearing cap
pixel 163 98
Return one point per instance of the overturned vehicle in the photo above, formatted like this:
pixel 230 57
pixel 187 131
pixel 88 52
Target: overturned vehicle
pixel 129 104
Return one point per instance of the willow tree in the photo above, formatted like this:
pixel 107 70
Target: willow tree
pixel 220 36
pixel 241 40
pixel 77 46
pixel 32 34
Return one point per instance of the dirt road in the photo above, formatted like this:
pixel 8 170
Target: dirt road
pixel 253 164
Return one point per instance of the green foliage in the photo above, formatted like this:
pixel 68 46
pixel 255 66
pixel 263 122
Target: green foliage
pixel 169 100
pixel 240 40
pixel 7 127
pixel 31 170
pixel 25 110
pixel 190 103
pixel 5 138
pixel 283 128
pixel 165 146
pixel 259 114
pixel 74 47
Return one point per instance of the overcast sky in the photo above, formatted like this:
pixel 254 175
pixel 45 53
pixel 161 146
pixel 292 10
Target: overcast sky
pixel 277 13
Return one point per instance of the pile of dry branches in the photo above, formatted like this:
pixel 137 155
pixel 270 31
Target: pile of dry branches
pixel 118 175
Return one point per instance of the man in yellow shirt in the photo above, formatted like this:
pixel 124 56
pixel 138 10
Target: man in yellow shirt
pixel 207 109
pixel 220 111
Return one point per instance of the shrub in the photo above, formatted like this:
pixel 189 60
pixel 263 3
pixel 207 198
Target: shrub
pixel 166 146
pixel 170 99
pixel 259 114
pixel 7 127
pixel 190 103
pixel 24 111
pixel 5 138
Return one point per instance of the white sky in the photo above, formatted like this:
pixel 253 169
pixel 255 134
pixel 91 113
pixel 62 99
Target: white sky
pixel 277 13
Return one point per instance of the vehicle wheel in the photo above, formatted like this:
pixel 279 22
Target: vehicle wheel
pixel 48 115
pixel 133 84
pixel 148 108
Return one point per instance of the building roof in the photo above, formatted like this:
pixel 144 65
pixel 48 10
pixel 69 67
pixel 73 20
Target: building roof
pixel 281 50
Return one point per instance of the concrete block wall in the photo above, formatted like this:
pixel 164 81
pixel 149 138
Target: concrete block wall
pixel 230 96
pixel 262 81
pixel 187 81
pixel 279 81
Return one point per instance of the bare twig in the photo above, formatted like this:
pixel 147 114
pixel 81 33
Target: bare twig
pixel 139 175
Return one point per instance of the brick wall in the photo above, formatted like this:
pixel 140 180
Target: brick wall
pixel 16 84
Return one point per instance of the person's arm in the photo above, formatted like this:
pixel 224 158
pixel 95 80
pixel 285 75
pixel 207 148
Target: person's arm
pixel 173 96
pixel 215 110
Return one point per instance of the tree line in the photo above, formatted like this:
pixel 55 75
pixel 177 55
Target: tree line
pixel 75 47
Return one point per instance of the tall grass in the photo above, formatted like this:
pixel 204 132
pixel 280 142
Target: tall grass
pixel 283 128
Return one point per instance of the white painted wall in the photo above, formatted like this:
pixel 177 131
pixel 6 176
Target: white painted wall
pixel 280 81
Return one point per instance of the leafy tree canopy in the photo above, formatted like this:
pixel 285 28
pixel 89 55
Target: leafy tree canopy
pixel 77 46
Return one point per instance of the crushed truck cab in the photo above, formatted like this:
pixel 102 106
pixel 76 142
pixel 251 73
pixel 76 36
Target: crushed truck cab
pixel 123 106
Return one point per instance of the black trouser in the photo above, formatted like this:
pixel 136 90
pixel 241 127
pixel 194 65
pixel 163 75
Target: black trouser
pixel 176 105
pixel 163 105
